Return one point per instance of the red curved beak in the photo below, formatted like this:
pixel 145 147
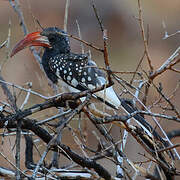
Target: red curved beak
pixel 32 39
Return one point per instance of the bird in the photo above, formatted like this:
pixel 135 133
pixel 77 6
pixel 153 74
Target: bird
pixel 78 71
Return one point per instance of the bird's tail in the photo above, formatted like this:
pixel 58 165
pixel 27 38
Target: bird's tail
pixel 109 97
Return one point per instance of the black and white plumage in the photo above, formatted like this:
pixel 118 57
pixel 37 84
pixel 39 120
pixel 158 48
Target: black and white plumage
pixel 77 70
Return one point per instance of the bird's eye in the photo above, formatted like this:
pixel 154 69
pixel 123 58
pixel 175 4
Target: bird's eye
pixel 51 39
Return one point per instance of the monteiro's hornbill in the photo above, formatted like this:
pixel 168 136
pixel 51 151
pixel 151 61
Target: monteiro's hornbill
pixel 77 70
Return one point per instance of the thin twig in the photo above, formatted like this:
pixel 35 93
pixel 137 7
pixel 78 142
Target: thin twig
pixel 105 38
pixel 18 145
pixel 168 101
pixel 26 99
pixel 167 64
pixel 40 163
pixel 143 36
pixel 166 35
pixel 28 90
pixel 53 117
pixel 85 42
pixel 7 45
pixel 169 148
pixel 175 70
pixel 141 60
pixel 16 6
pixel 97 16
pixel 6 158
pixel 79 32
pixel 115 72
pixel 66 15
pixel 8 93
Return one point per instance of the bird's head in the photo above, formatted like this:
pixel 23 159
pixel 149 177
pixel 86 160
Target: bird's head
pixel 51 38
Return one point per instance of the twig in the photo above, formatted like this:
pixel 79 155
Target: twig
pixel 168 101
pixel 169 148
pixel 7 45
pixel 169 62
pixel 79 32
pixel 166 35
pixel 26 99
pixel 115 72
pixel 144 37
pixel 108 119
pixel 14 133
pixel 8 94
pixel 97 16
pixel 77 141
pixel 15 5
pixel 18 141
pixel 174 91
pixel 125 134
pixel 6 158
pixel 85 42
pixel 66 15
pixel 40 163
pixel 28 90
pixel 141 60
pixel 175 70
pixel 105 38
pixel 53 117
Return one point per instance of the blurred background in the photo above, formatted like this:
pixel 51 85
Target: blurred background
pixel 125 43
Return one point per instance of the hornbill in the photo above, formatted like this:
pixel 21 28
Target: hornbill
pixel 78 71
